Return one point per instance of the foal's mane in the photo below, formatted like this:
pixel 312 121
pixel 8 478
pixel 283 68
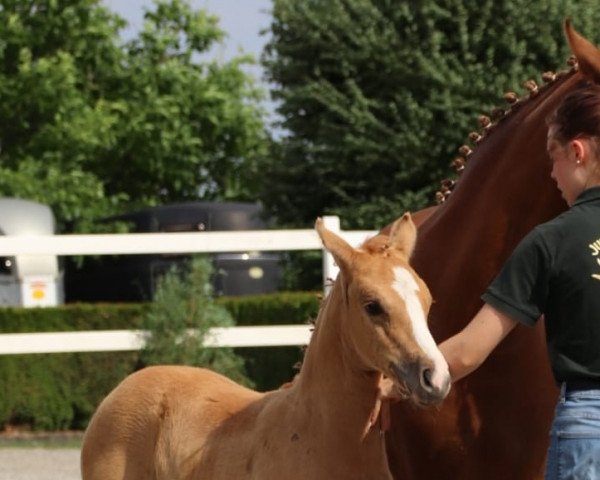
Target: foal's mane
pixel 488 123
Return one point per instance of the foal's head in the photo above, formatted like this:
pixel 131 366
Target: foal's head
pixel 387 305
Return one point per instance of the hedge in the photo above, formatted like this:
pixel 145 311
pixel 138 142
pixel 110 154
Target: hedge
pixel 61 390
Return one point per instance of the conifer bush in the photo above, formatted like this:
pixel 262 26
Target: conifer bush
pixel 179 319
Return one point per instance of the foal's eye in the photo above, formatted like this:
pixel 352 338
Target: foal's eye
pixel 373 308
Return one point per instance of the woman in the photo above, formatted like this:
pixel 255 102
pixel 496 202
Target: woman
pixel 555 271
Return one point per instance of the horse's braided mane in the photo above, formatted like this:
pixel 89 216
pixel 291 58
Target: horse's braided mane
pixel 497 115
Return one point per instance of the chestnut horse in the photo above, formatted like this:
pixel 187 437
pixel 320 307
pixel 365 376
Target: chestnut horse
pixel 175 422
pixel 495 423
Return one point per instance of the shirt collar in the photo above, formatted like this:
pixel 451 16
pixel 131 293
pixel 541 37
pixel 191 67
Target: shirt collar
pixel 588 195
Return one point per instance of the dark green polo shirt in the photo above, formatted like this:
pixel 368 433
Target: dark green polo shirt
pixel 555 271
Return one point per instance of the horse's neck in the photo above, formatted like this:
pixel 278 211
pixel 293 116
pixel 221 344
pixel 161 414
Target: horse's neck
pixel 331 378
pixel 507 178
pixel 503 193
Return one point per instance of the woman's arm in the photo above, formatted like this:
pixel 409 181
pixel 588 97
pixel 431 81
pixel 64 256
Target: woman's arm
pixel 467 350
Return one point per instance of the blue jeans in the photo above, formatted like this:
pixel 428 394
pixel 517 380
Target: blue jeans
pixel 574 452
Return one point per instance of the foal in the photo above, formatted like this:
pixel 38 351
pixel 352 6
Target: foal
pixel 175 422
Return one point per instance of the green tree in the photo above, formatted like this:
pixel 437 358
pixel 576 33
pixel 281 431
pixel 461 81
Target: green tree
pixel 184 301
pixel 94 126
pixel 375 96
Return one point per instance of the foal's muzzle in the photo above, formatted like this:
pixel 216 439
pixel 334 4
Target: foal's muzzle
pixel 427 384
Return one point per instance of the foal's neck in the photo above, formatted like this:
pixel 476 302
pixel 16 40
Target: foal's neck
pixel 332 378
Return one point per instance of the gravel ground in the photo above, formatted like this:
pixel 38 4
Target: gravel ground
pixel 39 464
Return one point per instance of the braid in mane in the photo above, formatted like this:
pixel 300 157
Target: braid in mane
pixel 488 123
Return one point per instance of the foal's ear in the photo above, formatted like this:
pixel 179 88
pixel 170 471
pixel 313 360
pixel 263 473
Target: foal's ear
pixel 336 245
pixel 403 235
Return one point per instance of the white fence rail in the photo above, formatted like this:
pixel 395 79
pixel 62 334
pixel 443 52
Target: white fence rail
pixel 149 243
pixel 125 340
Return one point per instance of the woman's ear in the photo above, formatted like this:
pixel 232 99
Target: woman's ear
pixel 580 148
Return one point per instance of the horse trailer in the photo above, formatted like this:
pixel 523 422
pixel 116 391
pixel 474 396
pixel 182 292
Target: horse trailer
pixel 29 280
pixel 133 278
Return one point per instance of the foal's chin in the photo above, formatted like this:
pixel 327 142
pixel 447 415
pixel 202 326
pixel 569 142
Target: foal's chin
pixel 426 399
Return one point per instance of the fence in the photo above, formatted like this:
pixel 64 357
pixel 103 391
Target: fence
pixel 148 243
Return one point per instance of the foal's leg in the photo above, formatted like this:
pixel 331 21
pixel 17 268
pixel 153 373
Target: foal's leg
pixel 120 441
pixel 111 452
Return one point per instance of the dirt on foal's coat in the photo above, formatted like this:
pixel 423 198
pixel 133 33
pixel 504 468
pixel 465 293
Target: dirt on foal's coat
pixel 175 422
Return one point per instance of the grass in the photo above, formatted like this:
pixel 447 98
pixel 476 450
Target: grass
pixel 53 440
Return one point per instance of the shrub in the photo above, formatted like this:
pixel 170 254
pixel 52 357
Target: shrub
pixel 184 301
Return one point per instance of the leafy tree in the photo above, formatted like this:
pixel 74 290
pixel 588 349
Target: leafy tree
pixel 94 126
pixel 48 125
pixel 375 96
pixel 184 301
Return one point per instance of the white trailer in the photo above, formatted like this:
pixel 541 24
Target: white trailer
pixel 28 280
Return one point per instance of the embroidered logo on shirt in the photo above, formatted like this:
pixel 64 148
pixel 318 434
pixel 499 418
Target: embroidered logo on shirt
pixel 595 247
pixel 596 275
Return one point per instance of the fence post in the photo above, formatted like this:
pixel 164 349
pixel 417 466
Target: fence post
pixel 330 269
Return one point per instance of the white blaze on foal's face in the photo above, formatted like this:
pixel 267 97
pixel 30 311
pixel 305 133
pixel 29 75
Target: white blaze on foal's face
pixel 408 289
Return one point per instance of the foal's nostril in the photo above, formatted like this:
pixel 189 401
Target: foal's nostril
pixel 426 382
